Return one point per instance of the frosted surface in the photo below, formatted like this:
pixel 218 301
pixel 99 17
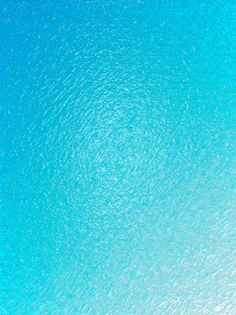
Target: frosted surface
pixel 118 157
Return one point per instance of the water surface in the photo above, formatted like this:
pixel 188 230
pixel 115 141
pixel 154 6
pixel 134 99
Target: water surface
pixel 117 157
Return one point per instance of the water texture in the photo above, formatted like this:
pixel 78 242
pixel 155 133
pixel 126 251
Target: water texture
pixel 118 157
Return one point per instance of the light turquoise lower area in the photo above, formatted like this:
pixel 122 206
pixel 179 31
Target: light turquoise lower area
pixel 118 164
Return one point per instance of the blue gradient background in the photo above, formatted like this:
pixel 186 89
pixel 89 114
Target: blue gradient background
pixel 118 157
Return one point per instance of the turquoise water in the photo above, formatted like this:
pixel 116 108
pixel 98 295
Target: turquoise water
pixel 118 157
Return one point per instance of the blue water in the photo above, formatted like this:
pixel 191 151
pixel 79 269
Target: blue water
pixel 118 173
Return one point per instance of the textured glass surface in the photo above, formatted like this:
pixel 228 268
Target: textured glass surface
pixel 118 190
